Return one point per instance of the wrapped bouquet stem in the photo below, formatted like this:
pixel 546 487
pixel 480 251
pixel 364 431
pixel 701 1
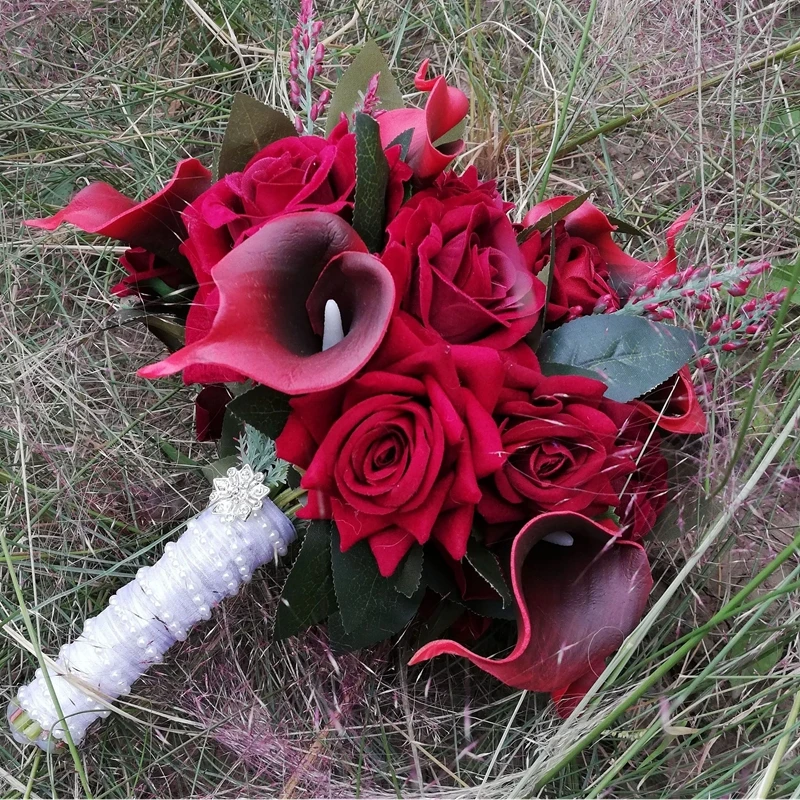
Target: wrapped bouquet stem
pixel 239 531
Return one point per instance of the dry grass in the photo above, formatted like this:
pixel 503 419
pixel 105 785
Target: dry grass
pixel 117 91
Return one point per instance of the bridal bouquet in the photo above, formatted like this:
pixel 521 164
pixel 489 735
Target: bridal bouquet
pixel 467 398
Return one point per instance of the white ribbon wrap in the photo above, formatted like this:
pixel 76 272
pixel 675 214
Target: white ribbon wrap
pixel 221 548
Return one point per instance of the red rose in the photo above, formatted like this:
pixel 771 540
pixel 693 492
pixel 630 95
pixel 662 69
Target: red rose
pixel 446 107
pixel 590 224
pixel 580 275
pixel 400 449
pixel 579 590
pixel 298 173
pixel 457 266
pixel 561 442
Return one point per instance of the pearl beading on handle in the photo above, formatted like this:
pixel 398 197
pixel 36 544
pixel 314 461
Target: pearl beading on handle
pixel 221 548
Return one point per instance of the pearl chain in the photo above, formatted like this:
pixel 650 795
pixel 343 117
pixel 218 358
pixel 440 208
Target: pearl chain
pixel 209 562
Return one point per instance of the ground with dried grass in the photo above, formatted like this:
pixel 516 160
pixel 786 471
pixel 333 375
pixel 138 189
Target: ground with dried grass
pixel 672 104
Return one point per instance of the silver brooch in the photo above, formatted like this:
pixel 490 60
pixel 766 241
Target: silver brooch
pixel 239 494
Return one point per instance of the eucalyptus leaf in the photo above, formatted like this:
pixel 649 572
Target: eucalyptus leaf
pixel 251 127
pixel 308 596
pixel 631 355
pixel 372 177
pixel 353 84
pixel 265 409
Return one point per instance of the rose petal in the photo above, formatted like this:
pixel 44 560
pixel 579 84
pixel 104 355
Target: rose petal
pixel 270 306
pixel 590 223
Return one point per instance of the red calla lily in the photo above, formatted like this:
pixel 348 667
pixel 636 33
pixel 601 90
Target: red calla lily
pixel 154 224
pixel 575 605
pixel 272 293
pixel 445 108
pixel 673 405
pixel 589 223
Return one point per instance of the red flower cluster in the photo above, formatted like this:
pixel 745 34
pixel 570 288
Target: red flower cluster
pixel 428 419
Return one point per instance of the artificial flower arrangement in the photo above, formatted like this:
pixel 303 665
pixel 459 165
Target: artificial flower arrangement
pixel 460 415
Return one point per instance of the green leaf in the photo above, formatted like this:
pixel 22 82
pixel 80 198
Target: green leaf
pixel 251 127
pixel 232 428
pixel 443 616
pixel 372 177
pixel 410 573
pixel 546 276
pixel 547 222
pixel 492 608
pixel 308 596
pixel 175 455
pixel 353 84
pixel 624 227
pixel 549 369
pixel 404 140
pixel 485 563
pixel 265 409
pixel 168 329
pixel 631 355
pixel 371 607
pixel 437 576
pixel 218 468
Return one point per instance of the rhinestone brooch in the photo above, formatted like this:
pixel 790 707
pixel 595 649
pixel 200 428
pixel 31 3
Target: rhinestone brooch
pixel 238 494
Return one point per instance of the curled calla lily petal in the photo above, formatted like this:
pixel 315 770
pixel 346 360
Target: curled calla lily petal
pixel 589 223
pixel 674 406
pixel 575 604
pixel 154 224
pixel 445 108
pixel 273 289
